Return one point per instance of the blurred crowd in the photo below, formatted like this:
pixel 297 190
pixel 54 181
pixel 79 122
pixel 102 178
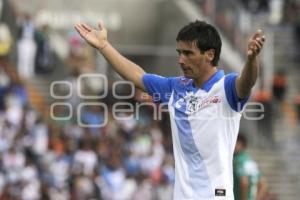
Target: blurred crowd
pixel 42 159
pixel 45 159
pixel 125 159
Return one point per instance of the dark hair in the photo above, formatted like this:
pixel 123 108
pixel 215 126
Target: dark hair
pixel 205 35
pixel 242 139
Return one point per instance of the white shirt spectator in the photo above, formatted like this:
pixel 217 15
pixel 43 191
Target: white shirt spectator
pixel 29 173
pixel 4 79
pixel 7 135
pixel 60 171
pixel 155 160
pixel 13 160
pixel 40 139
pixel 127 122
pixel 113 183
pixel 30 190
pixel 88 159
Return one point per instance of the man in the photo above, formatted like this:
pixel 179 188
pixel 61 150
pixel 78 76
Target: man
pixel 248 183
pixel 204 105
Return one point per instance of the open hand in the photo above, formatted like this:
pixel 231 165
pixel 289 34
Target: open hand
pixel 95 37
pixel 255 44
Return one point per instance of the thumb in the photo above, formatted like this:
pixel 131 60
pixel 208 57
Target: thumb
pixel 257 34
pixel 101 25
pixel 249 53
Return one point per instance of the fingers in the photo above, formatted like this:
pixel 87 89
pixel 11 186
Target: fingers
pixel 255 47
pixel 86 27
pixel 257 34
pixel 79 28
pixel 101 25
pixel 83 29
pixel 256 43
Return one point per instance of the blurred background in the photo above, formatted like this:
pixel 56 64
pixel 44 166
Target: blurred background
pixel 49 150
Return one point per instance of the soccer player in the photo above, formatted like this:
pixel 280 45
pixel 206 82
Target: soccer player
pixel 248 182
pixel 204 105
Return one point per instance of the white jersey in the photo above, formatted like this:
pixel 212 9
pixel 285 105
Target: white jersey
pixel 205 124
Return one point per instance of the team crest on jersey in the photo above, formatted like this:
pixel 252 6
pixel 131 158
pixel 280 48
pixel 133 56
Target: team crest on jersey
pixel 194 103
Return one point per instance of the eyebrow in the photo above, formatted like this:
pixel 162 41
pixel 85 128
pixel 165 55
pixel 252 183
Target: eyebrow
pixel 184 51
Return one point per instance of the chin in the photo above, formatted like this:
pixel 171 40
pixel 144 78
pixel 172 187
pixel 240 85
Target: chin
pixel 188 76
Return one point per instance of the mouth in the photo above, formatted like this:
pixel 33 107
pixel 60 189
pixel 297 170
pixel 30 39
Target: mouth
pixel 186 70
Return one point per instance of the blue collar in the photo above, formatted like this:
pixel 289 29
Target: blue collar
pixel 212 80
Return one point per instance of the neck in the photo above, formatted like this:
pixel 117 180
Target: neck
pixel 205 77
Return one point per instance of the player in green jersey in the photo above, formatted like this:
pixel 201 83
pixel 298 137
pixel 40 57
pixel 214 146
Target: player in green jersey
pixel 248 183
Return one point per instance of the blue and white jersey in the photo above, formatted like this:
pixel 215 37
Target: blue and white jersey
pixel 205 125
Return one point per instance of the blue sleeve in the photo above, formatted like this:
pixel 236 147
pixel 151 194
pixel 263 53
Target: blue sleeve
pixel 158 87
pixel 234 101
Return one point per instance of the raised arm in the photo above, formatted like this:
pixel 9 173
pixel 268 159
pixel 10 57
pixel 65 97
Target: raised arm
pixel 248 77
pixel 124 67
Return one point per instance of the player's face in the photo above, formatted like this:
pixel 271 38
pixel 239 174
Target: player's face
pixel 238 147
pixel 191 60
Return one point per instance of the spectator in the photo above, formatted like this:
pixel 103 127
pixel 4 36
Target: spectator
pixel 26 47
pixel 84 188
pixel 39 138
pixel 86 158
pixel 5 42
pixel 144 189
pixel 113 178
pixel 5 81
pixel 279 86
pixel 44 60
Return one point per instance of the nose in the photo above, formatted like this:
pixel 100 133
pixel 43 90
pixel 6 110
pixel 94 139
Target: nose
pixel 181 59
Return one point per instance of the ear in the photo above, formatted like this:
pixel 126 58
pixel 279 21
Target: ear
pixel 209 55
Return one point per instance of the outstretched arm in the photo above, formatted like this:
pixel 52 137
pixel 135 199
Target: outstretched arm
pixel 248 77
pixel 124 67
